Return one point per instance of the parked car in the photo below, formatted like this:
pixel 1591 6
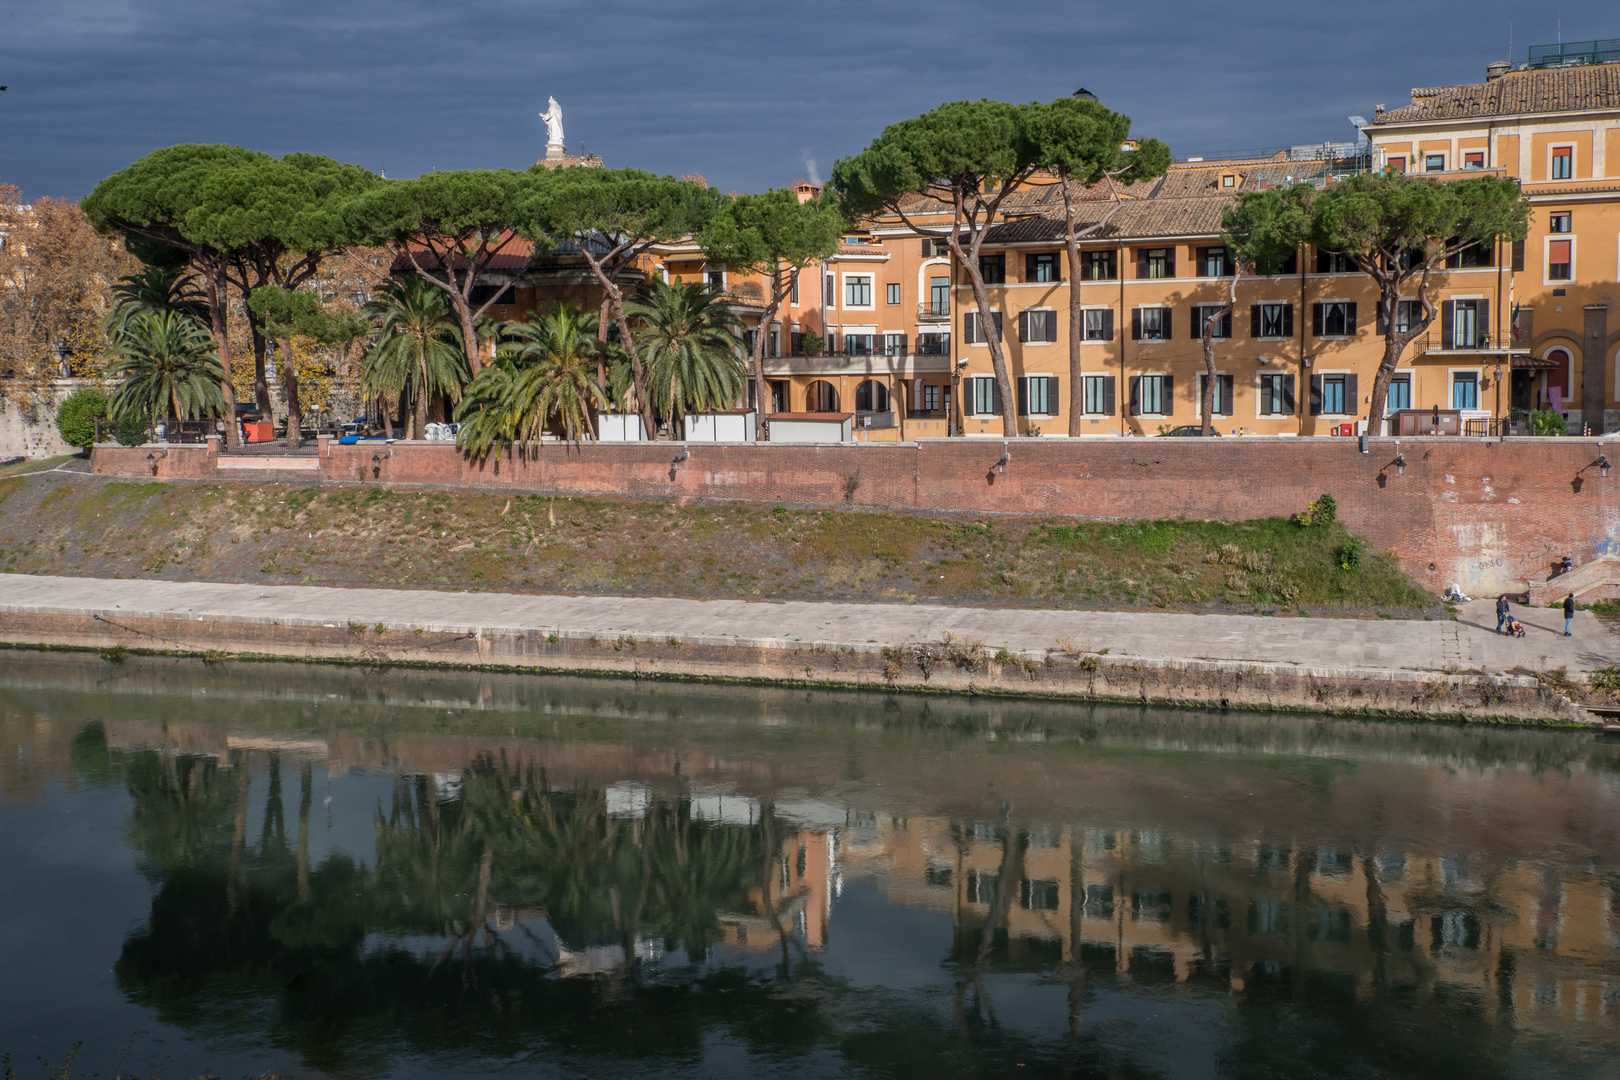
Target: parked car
pixel 1190 430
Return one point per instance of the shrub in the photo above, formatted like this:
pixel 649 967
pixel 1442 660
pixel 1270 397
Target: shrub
pixel 811 343
pixel 1547 422
pixel 76 416
pixel 132 428
pixel 1321 512
pixel 1350 555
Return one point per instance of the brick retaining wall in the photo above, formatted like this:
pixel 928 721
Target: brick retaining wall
pixel 1489 516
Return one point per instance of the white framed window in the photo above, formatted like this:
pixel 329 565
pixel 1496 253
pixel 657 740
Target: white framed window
pixel 857 290
pixel 1150 324
pixel 1276 396
pixel 1098 395
pixel 983 396
pixel 1560 163
pixel 1272 320
pixel 1152 395
pixel 1464 388
pixel 1222 327
pixel 1434 162
pixel 973 331
pixel 893 293
pixel 1098 325
pixel 1038 395
pixel 1558 259
pixel 1560 222
pixel 1037 326
pixel 1334 393
pixel 1399 397
pixel 716 279
pixel 1333 318
pixel 931 397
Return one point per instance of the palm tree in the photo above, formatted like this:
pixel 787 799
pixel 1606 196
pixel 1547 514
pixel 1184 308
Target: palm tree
pixel 418 348
pixel 544 371
pixel 155 289
pixel 168 366
pixel 689 343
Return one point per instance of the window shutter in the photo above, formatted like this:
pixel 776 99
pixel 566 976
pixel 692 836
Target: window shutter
pixel 1316 320
pixel 1168 322
pixel 927 248
pixel 1023 395
pixel 1288 321
pixel 1052 392
pixel 1322 261
pixel 970 321
pixel 1265 397
pixel 995 317
pixel 1254 320
pixel 1169 395
pixel 1169 263
pixel 1226 394
pixel 1484 324
pixel 1108 324
pixel 1518 254
pixel 1226 325
pixel 1381 324
pixel 1447 307
pixel 1136 395
pixel 1352 394
pixel 1029 268
pixel 995 396
pixel 1023 326
pixel 1350 317
pixel 902 343
pixel 1141 263
pixel 1197 321
pixel 1202 255
pixel 1108 394
pixel 1136 333
pixel 1316 395
pixel 1288 395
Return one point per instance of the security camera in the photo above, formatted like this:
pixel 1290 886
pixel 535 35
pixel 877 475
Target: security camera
pixel 1265 359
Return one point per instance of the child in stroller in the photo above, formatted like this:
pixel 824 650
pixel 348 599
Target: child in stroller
pixel 1514 628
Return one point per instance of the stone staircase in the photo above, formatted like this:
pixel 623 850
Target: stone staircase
pixel 1601 571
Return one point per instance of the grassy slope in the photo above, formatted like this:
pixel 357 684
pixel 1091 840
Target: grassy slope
pixel 54 524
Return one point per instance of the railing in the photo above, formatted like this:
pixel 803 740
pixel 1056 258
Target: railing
pixel 1575 52
pixel 1489 428
pixel 932 312
pixel 1432 342
pixel 868 419
pixel 935 348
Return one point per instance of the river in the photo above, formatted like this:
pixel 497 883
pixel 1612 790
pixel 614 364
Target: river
pixel 242 869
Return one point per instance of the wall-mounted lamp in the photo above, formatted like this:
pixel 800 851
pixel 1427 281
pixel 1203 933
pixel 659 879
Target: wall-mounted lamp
pixel 152 459
pixel 1603 465
pixel 680 459
pixel 1006 456
pixel 377 460
pixel 1265 359
pixel 1400 463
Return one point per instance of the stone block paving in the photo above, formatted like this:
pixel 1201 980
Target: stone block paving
pixel 1468 644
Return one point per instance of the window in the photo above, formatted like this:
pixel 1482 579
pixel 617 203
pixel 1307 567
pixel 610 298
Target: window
pixel 796 343
pixel 1465 324
pixel 972 332
pixel 930 394
pixel 1152 395
pixel 829 294
pixel 1038 395
pixel 857 290
pixel 871 396
pixel 1563 163
pixel 776 341
pixel 993 268
pixel 894 344
pixel 1334 262
pixel 793 291
pixel 1222 327
pixel 1099 394
pixel 1150 324
pixel 1228 180
pixel 1099 324
pixel 1408 313
pixel 1400 394
pixel 1155 263
pixel 1434 163
pixel 1558 260
pixel 1276 395
pixel 1335 395
pixel 1039 894
pixel 1473 256
pixel 716 280
pixel 939 296
pixel 934 344
pixel 984 396
pixel 1098 266
pixel 1271 320
pixel 1041 267
pixel 1037 325
pixel 1223 394
pixel 1464 390
pixel 1214 262
pixel 1397 165
pixel 1334 318
pixel 893 294
pixel 1474 159
pixel 1560 222
pixel 858 344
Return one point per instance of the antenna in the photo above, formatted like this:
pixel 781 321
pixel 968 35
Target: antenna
pixel 1510 39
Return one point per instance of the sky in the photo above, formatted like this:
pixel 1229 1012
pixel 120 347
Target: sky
pixel 748 95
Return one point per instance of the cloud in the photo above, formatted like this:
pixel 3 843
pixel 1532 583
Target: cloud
pixel 736 91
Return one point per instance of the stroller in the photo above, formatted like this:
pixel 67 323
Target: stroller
pixel 1513 628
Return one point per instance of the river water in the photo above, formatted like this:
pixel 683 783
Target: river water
pixel 248 869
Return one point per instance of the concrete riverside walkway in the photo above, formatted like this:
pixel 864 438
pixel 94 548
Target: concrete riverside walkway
pixel 1467 644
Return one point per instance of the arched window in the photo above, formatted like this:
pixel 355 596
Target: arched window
pixel 820 396
pixel 871 396
pixel 1559 376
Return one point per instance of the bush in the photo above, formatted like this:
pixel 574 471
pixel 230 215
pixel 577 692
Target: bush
pixel 76 416
pixel 1547 422
pixel 811 344
pixel 1350 555
pixel 132 428
pixel 1321 512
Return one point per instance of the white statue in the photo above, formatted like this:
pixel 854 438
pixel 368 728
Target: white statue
pixel 553 118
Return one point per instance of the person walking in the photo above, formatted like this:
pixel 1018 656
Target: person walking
pixel 1569 612
pixel 1501 611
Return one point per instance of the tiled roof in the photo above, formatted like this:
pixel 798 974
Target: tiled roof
pixel 1137 218
pixel 1544 90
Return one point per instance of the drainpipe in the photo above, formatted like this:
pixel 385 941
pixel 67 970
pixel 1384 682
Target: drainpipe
pixel 1302 393
pixel 1120 325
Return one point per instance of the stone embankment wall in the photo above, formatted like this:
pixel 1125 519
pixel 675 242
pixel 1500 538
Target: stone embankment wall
pixel 1488 516
pixel 921 666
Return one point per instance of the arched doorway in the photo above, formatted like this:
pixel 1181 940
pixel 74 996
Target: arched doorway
pixel 820 396
pixel 1558 378
pixel 871 396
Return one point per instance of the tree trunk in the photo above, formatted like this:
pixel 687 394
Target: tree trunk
pixel 1207 407
pixel 1077 389
pixel 757 360
pixel 969 261
pixel 215 280
pixel 469 338
pixel 419 410
pixel 289 387
pixel 261 383
pixel 387 415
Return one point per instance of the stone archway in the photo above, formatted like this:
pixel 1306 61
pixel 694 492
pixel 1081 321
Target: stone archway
pixel 871 396
pixel 820 396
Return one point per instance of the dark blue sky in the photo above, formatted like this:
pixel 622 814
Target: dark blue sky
pixel 745 93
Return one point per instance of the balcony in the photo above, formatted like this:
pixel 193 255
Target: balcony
pixel 934 312
pixel 1432 344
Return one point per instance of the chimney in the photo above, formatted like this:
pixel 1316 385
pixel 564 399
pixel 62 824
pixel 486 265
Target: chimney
pixel 1379 111
pixel 1497 70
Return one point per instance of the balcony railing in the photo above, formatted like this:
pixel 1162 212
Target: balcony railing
pixel 1476 343
pixel 934 312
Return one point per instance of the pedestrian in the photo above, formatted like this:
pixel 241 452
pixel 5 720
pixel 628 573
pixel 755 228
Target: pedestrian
pixel 1569 612
pixel 1501 611
pixel 1565 566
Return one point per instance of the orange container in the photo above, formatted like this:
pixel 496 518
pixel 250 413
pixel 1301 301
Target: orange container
pixel 260 432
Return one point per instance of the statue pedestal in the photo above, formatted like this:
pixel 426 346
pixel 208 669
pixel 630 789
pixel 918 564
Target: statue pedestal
pixel 555 151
